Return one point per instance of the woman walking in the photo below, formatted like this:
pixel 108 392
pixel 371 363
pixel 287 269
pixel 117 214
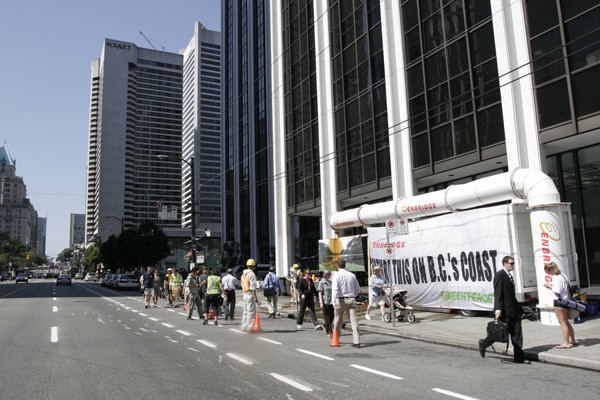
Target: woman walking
pixel 562 290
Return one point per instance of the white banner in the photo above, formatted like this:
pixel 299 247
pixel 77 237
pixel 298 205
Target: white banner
pixel 447 261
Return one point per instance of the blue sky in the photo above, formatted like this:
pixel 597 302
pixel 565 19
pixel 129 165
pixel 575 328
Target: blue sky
pixel 46 48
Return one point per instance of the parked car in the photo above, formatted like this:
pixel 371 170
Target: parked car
pixel 22 277
pixel 91 278
pixel 126 281
pixel 79 275
pixel 39 275
pixel 104 280
pixel 112 281
pixel 63 279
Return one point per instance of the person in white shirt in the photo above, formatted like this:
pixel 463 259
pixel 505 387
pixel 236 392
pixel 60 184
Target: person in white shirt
pixel 230 282
pixel 561 289
pixel 344 289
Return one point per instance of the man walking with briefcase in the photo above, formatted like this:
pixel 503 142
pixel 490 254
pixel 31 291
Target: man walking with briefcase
pixel 507 309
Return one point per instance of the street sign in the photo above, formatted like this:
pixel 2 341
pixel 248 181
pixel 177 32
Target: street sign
pixel 168 212
pixel 391 227
pixel 389 251
pixel 402 226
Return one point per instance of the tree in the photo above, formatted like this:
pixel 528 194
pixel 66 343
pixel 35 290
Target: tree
pixel 92 257
pixel 109 253
pixel 65 255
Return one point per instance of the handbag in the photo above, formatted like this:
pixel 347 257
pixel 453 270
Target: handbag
pixel 269 291
pixel 497 331
pixel 573 313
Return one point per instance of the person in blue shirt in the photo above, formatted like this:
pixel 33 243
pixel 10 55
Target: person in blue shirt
pixel 271 291
pixel 377 283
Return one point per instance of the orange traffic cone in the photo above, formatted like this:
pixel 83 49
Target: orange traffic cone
pixel 256 327
pixel 212 314
pixel 335 339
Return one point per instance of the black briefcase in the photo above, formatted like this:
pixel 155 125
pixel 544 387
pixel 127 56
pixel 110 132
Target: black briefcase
pixel 498 331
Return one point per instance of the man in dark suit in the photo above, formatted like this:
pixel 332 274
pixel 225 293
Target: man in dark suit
pixel 507 309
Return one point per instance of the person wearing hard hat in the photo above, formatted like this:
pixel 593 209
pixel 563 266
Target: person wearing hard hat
pixel 249 286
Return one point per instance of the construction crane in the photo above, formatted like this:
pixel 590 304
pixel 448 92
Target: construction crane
pixel 150 42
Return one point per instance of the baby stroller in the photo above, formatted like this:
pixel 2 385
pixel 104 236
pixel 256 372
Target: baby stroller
pixel 401 309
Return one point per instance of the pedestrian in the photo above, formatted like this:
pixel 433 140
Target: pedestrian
pixel 147 280
pixel 562 290
pixel 507 309
pixel 158 287
pixel 293 281
pixel 249 286
pixel 324 288
pixel 202 281
pixel 193 294
pixel 167 286
pixel 377 283
pixel 229 283
pixel 271 291
pixel 214 288
pixel 344 289
pixel 306 294
pixel 175 283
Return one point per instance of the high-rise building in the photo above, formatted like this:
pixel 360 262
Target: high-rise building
pixel 248 213
pixel 201 115
pixel 135 115
pixel 18 218
pixel 42 223
pixel 378 100
pixel 76 229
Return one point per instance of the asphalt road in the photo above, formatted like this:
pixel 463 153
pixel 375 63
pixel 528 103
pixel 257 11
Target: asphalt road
pixel 85 341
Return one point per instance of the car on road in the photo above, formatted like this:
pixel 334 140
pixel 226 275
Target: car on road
pixel 91 278
pixel 79 275
pixel 105 279
pixel 126 281
pixel 39 275
pixel 63 279
pixel 22 277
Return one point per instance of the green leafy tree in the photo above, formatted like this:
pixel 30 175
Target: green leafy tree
pixel 109 253
pixel 65 255
pixel 92 257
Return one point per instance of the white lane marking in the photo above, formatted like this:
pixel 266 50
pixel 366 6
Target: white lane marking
pixel 449 393
pixel 239 358
pixel 374 371
pixel 54 309
pixel 182 313
pixel 167 325
pixel 315 354
pixel 152 330
pixel 137 333
pixel 268 340
pixel 174 341
pixel 54 334
pixel 184 333
pixel 291 382
pixel 209 344
pixel 154 319
pixel 126 327
pixel 102 322
pixel 236 330
pixel 143 315
pixel 54 299
pixel 144 329
pixel 193 349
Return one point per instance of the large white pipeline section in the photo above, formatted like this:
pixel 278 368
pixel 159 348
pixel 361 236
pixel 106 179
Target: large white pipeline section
pixel 529 184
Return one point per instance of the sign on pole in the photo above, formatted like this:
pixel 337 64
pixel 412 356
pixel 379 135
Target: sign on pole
pixel 391 227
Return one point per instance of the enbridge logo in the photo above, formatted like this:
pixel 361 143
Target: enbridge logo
pixel 549 231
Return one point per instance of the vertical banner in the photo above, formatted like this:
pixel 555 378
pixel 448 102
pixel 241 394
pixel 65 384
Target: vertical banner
pixel 447 261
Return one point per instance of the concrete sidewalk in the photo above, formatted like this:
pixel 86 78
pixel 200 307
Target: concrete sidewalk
pixel 464 332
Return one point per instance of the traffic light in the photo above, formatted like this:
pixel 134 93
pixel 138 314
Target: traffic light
pixel 27 257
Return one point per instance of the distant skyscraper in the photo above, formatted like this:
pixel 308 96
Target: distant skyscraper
pixel 135 115
pixel 248 215
pixel 202 128
pixel 42 222
pixel 77 229
pixel 18 218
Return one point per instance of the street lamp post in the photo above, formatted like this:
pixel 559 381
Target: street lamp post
pixel 120 219
pixel 192 198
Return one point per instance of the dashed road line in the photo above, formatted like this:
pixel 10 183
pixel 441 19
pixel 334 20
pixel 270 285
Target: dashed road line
pixel 268 340
pixel 193 349
pixel 54 334
pixel 208 344
pixel 374 371
pixel 167 325
pixel 452 394
pixel 315 354
pixel 184 333
pixel 54 309
pixel 239 358
pixel 154 319
pixel 291 382
pixel 102 322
